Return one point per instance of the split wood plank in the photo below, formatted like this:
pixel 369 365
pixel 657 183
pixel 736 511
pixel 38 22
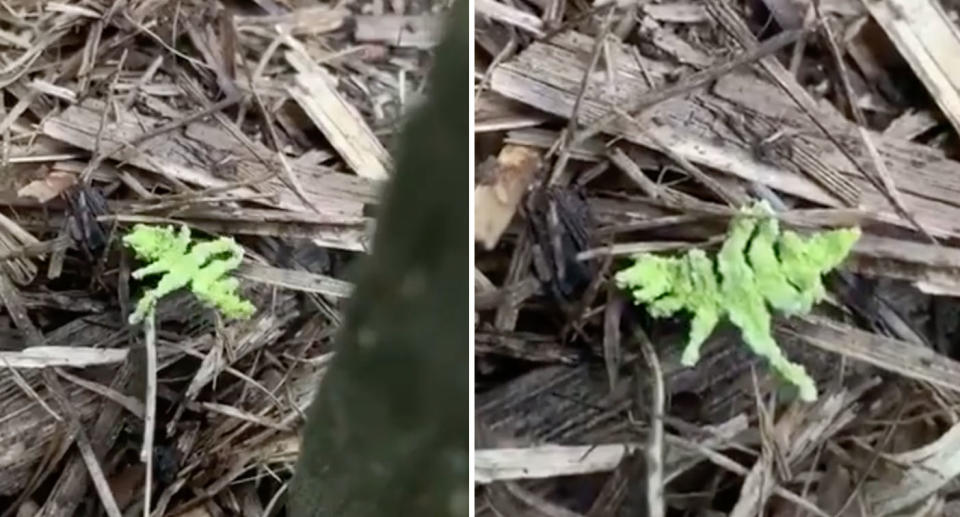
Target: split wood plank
pixel 510 15
pixel 918 254
pixel 701 128
pixel 296 280
pixel 930 42
pixel 571 405
pixel 25 440
pixel 826 176
pixel 494 113
pixel 314 90
pixel 192 154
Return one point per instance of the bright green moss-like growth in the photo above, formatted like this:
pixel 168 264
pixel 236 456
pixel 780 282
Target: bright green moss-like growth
pixel 759 267
pixel 201 265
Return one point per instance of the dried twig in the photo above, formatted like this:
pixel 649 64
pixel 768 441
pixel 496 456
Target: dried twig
pixel 654 445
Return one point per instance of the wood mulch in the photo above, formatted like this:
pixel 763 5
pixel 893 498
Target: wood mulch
pixel 606 129
pixel 267 121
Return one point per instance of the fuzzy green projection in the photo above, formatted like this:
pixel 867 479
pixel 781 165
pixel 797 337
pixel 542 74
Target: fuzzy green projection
pixel 779 269
pixel 203 266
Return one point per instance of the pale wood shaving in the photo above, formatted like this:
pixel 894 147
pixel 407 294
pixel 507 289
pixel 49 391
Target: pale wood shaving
pixel 296 280
pixel 47 356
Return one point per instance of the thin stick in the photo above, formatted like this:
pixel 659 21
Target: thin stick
pixel 655 506
pixel 98 157
pixel 873 461
pixel 150 405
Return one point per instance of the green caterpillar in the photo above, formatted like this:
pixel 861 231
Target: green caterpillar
pixel 779 269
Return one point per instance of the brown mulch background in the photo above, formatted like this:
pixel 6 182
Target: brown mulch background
pixel 603 132
pixel 269 122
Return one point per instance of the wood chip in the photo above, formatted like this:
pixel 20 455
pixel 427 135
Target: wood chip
pixel 677 12
pixel 910 125
pixel 930 42
pixel 421 31
pixel 547 461
pixel 339 120
pixel 930 468
pixel 668 41
pixel 911 361
pixel 928 182
pixel 47 356
pixel 306 20
pixel 296 280
pixel 48 187
pixel 495 203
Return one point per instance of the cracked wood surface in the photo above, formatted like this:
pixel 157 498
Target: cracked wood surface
pixel 207 156
pixel 720 126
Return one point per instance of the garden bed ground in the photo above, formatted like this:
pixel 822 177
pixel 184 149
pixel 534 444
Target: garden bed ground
pixel 269 122
pixel 604 130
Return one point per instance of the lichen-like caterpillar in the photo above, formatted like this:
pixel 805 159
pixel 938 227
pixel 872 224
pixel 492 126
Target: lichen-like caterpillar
pixel 200 265
pixel 759 266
